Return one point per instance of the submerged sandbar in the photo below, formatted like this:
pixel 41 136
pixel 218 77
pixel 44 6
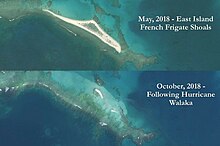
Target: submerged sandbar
pixel 79 93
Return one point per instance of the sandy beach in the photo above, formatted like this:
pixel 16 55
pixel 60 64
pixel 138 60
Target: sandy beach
pixel 101 34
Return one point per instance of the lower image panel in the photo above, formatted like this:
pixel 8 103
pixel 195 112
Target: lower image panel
pixel 83 108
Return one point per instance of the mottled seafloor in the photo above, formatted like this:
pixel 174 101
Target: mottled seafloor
pixel 78 94
pixel 53 46
pixel 34 112
pixel 49 43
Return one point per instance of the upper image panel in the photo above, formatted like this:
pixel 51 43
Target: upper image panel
pixel 109 35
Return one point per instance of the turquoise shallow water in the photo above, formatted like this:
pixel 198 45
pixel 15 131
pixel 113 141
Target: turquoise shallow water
pixel 185 50
pixel 74 9
pixel 55 123
pixel 174 51
pixel 37 42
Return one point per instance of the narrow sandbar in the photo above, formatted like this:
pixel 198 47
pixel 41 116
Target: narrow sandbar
pixel 100 33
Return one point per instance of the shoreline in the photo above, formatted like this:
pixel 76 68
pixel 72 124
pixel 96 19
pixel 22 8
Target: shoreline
pixel 101 34
pixel 108 111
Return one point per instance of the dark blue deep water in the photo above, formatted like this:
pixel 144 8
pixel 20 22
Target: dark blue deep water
pixel 180 126
pixel 37 121
pixel 42 40
pixel 39 38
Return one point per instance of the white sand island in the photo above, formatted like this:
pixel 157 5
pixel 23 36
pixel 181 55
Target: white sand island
pixel 85 25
